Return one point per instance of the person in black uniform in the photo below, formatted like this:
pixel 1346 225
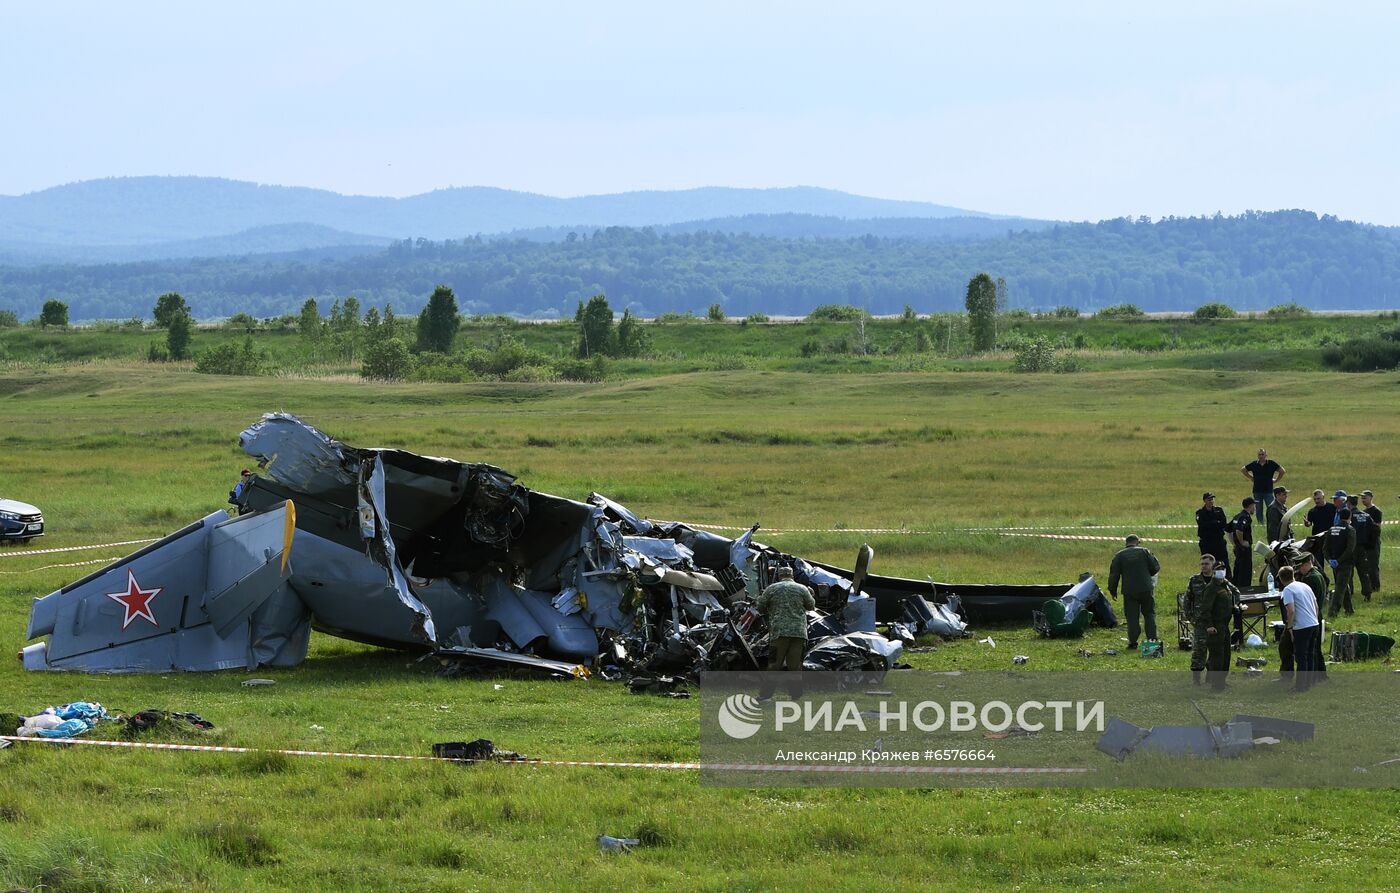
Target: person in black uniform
pixel 1365 534
pixel 1242 538
pixel 1319 520
pixel 1273 517
pixel 1372 557
pixel 1210 530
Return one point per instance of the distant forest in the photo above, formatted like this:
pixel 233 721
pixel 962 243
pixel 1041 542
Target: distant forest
pixel 1251 261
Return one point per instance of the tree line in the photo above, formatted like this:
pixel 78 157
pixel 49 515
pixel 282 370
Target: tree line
pixel 1250 261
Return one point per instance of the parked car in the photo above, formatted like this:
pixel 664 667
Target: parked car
pixel 20 521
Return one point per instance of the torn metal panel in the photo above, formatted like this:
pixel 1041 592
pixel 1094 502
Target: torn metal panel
pixel 694 580
pixel 741 559
pixel 618 512
pixel 667 552
pixel 859 614
pixel 940 619
pixel 297 455
pixel 1273 727
pixel 1121 738
pixel 530 621
pixel 853 651
pixel 512 660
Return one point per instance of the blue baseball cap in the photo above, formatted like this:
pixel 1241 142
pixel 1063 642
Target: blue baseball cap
pixel 1340 494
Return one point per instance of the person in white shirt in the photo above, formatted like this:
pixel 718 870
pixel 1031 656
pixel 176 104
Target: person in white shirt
pixel 1301 616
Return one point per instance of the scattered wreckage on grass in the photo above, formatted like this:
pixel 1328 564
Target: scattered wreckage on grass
pixel 395 549
pixel 1227 739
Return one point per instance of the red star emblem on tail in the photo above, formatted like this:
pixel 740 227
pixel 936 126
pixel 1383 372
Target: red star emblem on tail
pixel 136 601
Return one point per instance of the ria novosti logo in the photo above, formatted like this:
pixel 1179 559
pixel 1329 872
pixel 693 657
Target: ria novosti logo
pixel 740 716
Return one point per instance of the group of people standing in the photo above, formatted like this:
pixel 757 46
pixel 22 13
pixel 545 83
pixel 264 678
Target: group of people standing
pixel 1349 528
pixel 1345 534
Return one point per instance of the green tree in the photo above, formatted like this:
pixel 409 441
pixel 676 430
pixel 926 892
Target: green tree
pixel 241 321
pixel 632 339
pixel 1215 311
pixel 387 359
pixel 437 324
pixel 374 330
pixel 1036 354
pixel 716 313
pixel 1121 311
pixel 231 359
pixel 982 312
pixel 390 323
pixel 351 315
pixel 596 328
pixel 55 313
pixel 167 305
pixel 177 335
pixel 310 323
pixel 836 313
pixel 8 319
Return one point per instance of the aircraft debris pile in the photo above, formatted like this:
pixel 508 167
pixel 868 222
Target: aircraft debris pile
pixel 461 560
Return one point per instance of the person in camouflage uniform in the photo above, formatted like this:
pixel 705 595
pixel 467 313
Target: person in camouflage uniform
pixel 785 604
pixel 1307 571
pixel 1210 603
pixel 1213 601
pixel 1136 568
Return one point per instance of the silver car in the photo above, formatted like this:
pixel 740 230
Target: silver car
pixel 20 521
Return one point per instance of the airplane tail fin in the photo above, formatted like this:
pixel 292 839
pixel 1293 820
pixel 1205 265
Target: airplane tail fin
pixel 210 596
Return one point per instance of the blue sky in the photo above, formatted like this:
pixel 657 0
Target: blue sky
pixel 1066 110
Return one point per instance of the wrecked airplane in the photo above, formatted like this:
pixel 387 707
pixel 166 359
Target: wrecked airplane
pixel 395 549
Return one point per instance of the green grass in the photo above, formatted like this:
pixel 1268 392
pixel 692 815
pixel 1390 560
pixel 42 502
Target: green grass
pixel 120 451
pixel 698 345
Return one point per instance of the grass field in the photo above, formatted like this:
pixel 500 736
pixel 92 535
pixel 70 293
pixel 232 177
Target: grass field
pixel 118 450
pixel 696 345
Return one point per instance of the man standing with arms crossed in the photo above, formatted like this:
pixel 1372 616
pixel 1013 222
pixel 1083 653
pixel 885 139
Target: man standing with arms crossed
pixel 1135 567
pixel 1265 473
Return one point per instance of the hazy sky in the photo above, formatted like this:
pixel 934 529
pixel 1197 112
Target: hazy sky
pixel 1066 110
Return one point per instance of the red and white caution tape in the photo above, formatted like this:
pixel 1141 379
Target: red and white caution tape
pixel 604 764
pixel 35 570
pixel 24 553
pixel 819 529
pixel 1082 527
pixel 1101 539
